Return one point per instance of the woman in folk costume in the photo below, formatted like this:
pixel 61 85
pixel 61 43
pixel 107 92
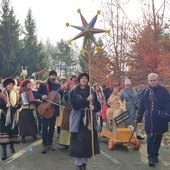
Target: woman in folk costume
pixel 102 100
pixel 81 141
pixel 66 85
pixel 64 138
pixel 9 111
pixel 61 109
pixel 37 85
pixel 28 115
pixel 100 97
pixel 130 96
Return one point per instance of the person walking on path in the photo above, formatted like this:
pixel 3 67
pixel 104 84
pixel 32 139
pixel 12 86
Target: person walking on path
pixel 28 117
pixel 48 124
pixel 64 138
pixel 81 141
pixel 154 106
pixel 9 110
pixel 130 96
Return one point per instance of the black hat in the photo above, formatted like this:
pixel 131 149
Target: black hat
pixel 81 75
pixel 52 72
pixel 8 80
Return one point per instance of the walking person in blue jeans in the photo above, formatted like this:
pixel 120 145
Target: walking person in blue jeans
pixel 154 106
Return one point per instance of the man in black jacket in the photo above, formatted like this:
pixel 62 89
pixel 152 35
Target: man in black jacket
pixel 48 125
pixel 155 107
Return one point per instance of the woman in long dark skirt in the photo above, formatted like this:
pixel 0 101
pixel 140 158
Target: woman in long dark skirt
pixel 81 141
pixel 28 116
pixel 9 111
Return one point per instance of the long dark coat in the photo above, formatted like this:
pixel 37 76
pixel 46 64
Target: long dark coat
pixel 7 133
pixel 150 109
pixel 80 143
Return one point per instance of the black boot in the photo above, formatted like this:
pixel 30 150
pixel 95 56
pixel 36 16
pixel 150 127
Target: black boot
pixel 12 148
pixel 23 139
pixel 4 152
pixel 83 166
pixel 44 149
pixel 79 167
pixel 34 137
pixel 151 162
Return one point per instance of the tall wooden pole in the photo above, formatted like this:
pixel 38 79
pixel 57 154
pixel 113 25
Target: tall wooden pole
pixel 91 113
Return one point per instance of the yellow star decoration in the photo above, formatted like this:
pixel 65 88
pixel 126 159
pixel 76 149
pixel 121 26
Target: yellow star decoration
pixel 87 30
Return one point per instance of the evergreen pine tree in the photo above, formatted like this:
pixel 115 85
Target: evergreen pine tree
pixel 9 41
pixel 34 55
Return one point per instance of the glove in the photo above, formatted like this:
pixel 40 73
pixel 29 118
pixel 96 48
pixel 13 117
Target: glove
pixel 18 106
pixel 135 122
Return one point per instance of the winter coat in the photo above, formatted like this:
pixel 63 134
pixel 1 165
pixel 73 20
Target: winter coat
pixel 80 140
pixel 130 96
pixel 79 103
pixel 153 104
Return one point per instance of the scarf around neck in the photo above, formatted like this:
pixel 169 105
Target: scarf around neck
pixel 150 92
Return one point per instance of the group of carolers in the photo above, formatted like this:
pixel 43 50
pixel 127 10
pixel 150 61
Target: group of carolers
pixel 18 119
pixel 80 107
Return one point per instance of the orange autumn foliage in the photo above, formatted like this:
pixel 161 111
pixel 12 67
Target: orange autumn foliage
pixel 151 54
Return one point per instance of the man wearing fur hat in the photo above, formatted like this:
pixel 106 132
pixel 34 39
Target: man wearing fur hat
pixel 9 110
pixel 48 125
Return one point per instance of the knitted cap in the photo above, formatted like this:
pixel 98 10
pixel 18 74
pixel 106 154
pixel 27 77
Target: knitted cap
pixel 127 82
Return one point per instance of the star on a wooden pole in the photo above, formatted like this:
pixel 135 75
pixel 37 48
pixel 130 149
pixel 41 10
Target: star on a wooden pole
pixel 87 30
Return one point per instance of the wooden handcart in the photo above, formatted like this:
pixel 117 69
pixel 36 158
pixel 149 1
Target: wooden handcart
pixel 124 136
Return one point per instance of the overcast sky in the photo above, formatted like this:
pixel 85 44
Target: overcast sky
pixel 52 15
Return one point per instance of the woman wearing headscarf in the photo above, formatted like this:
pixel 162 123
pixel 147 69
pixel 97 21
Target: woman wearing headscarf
pixel 64 138
pixel 81 142
pixel 9 111
pixel 28 115
pixel 102 100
